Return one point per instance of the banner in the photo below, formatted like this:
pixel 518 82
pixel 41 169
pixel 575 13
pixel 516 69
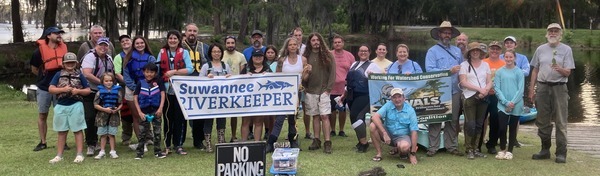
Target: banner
pixel 240 159
pixel 429 93
pixel 240 95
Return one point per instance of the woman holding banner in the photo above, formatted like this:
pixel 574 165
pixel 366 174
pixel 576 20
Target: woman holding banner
pixel 174 60
pixel 357 95
pixel 403 65
pixel 476 80
pixel 215 67
pixel 256 65
pixel 290 61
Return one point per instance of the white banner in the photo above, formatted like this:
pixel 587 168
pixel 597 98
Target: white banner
pixel 240 95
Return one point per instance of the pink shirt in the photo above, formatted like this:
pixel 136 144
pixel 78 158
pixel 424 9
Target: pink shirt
pixel 343 61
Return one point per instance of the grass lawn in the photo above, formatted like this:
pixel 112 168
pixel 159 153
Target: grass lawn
pixel 19 136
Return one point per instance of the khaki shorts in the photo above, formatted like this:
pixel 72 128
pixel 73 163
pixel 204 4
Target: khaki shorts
pixel 128 94
pixel 317 104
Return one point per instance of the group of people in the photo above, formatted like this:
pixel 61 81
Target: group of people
pixel 95 84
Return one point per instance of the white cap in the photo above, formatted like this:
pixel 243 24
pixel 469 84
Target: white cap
pixel 511 38
pixel 397 91
pixel 554 25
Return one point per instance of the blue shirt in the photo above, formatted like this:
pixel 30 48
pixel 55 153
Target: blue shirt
pixel 188 66
pixel 398 122
pixel 248 52
pixel 521 62
pixel 408 67
pixel 438 59
pixel 509 85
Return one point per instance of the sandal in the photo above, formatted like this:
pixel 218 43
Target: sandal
pixel 377 158
pixel 181 151
pixel 78 159
pixel 394 151
pixel 56 160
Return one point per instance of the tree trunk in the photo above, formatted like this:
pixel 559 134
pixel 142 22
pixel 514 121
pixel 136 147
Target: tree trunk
pixel 112 24
pixel 50 13
pixel 131 6
pixel 270 27
pixel 244 20
pixel 217 16
pixel 16 21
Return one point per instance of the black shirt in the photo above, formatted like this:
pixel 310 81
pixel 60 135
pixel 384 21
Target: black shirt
pixel 43 78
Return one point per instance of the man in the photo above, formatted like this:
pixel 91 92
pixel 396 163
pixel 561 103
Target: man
pixel 197 49
pixel 45 62
pixel 380 60
pixel 257 43
pixel 399 126
pixel 495 63
pixel 318 87
pixel 510 43
pixel 96 31
pixel 93 65
pixel 552 64
pixel 126 121
pixel 461 42
pixel 343 61
pixel 445 57
pixel 297 33
pixel 237 62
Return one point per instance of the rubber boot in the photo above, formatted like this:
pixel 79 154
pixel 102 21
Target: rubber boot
pixel 293 138
pixel 208 144
pixel 545 152
pixel 221 136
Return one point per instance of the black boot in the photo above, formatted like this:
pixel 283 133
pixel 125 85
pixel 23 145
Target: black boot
pixel 545 152
pixel 293 138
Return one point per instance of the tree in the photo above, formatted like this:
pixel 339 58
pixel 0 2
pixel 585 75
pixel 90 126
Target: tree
pixel 16 21
pixel 50 13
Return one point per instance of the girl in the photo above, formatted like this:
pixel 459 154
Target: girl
pixel 403 65
pixel 509 85
pixel 475 78
pixel 108 103
pixel 256 65
pixel 215 67
pixel 271 61
pixel 174 60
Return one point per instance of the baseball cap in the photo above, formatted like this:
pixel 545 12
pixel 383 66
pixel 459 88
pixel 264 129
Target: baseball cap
pixel 70 57
pixel 495 43
pixel 51 30
pixel 103 40
pixel 257 52
pixel 554 25
pixel 397 91
pixel 255 32
pixel 124 36
pixel 510 38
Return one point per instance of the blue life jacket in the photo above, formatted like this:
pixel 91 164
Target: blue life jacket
pixel 109 98
pixel 136 65
pixel 356 79
pixel 149 95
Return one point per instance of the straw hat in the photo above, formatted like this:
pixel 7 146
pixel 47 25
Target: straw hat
pixel 445 24
pixel 476 46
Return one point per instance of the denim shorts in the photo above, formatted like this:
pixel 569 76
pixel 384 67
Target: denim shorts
pixel 110 130
pixel 44 100
pixel 69 118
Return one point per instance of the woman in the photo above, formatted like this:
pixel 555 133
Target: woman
pixel 133 66
pixel 256 65
pixel 290 61
pixel 403 65
pixel 174 60
pixel 357 95
pixel 510 102
pixel 380 60
pixel 475 78
pixel 215 67
pixel 271 57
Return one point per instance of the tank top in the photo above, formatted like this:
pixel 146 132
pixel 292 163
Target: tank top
pixel 289 68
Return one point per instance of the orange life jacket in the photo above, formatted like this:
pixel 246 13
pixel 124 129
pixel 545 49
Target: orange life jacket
pixel 52 57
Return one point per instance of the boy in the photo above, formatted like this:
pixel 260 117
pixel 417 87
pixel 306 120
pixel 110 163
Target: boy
pixel 149 97
pixel 69 86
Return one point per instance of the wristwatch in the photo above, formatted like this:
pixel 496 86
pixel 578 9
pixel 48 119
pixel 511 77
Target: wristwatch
pixel 413 153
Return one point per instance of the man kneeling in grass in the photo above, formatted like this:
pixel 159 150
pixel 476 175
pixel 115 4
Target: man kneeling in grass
pixel 398 129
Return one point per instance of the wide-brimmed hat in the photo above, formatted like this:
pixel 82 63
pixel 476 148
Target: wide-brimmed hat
pixel 476 46
pixel 445 24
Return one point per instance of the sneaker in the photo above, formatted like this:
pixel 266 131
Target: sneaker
pixel 508 156
pixel 501 155
pixel 332 133
pixel 56 159
pixel 492 150
pixel 457 153
pixel 40 146
pixel 97 147
pixel 113 154
pixel 139 156
pixel 145 148
pixel 478 154
pixel 126 143
pixel 470 155
pixel 316 144
pixel 430 153
pixel 327 147
pixel 342 134
pixel 90 150
pixel 100 155
pixel 160 155
pixel 133 146
pixel 78 159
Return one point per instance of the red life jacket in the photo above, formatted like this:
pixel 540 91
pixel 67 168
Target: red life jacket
pixel 165 62
pixel 52 57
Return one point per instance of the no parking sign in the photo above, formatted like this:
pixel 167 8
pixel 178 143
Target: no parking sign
pixel 240 159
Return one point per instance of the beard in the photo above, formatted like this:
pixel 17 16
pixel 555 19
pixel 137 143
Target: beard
pixel 553 39
pixel 231 48
pixel 462 46
pixel 445 41
pixel 256 44
pixel 191 39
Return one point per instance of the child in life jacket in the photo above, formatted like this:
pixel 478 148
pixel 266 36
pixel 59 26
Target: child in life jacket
pixel 69 86
pixel 108 103
pixel 149 98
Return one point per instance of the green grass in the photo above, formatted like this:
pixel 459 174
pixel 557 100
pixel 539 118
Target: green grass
pixel 19 136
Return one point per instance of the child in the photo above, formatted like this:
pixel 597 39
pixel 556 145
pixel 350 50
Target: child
pixel 108 103
pixel 149 97
pixel 69 86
